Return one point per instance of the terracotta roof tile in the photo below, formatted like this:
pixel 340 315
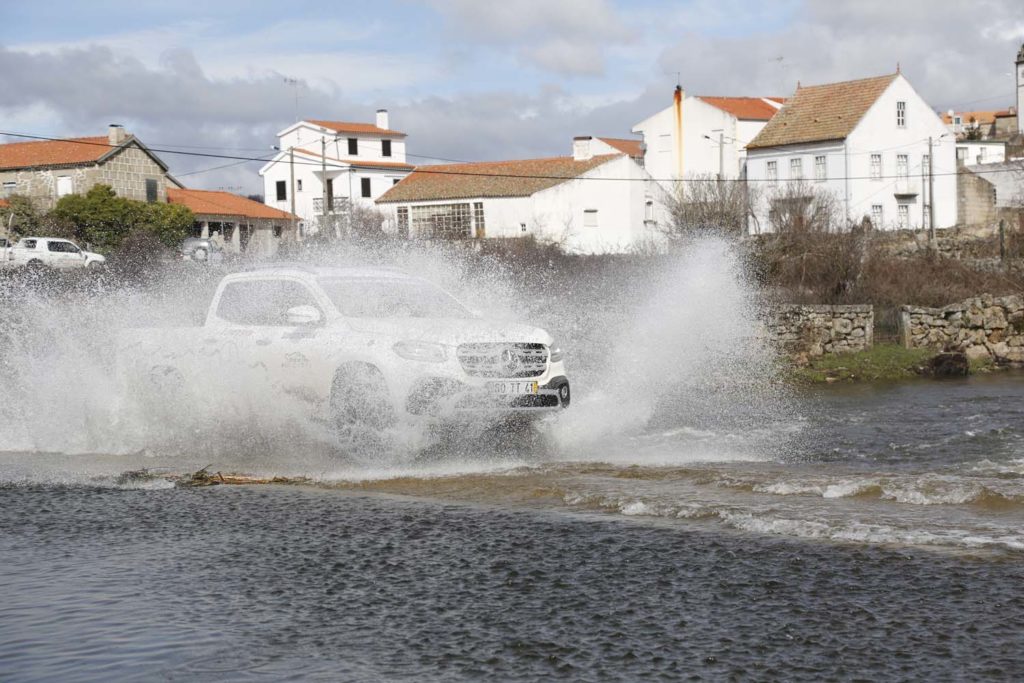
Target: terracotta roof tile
pixel 822 112
pixel 215 203
pixel 43 153
pixel 982 117
pixel 349 127
pixel 745 108
pixel 520 178
pixel 631 147
pixel 4 203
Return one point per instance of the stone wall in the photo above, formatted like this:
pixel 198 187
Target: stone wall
pixel 820 329
pixel 982 327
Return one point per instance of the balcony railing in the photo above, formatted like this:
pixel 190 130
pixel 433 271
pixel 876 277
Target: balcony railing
pixel 339 205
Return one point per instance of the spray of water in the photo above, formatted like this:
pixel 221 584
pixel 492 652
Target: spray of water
pixel 666 359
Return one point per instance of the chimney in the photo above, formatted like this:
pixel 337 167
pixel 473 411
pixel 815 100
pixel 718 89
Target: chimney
pixel 116 134
pixel 382 118
pixel 581 148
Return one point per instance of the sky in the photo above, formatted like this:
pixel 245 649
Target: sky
pixel 467 80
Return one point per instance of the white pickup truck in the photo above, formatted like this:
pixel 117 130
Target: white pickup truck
pixel 51 252
pixel 366 346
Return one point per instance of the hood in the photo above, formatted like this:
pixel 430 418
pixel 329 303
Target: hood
pixel 451 331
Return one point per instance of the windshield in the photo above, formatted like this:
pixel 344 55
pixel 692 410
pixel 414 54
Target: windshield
pixel 366 298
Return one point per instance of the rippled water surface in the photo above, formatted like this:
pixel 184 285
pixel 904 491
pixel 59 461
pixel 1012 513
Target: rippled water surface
pixel 885 541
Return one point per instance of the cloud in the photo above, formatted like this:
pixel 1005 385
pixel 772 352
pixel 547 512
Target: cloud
pixel 570 37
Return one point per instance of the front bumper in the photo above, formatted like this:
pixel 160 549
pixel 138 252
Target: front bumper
pixel 442 396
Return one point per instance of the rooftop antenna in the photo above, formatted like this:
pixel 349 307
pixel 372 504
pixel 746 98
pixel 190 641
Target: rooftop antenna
pixel 294 83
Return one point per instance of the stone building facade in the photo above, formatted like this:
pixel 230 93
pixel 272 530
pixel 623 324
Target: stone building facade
pixel 46 170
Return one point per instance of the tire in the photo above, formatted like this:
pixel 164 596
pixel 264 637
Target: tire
pixel 361 412
pixel 35 265
pixel 94 265
pixel 200 254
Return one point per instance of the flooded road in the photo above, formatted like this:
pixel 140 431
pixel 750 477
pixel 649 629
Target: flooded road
pixel 885 541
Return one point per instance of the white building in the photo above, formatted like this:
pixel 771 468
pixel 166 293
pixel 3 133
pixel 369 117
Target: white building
pixel 972 152
pixel 703 135
pixel 588 203
pixel 867 143
pixel 361 161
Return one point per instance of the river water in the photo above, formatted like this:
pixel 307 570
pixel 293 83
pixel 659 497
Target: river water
pixel 884 540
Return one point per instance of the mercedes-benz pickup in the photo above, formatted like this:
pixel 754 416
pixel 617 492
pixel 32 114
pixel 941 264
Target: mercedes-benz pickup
pixel 367 346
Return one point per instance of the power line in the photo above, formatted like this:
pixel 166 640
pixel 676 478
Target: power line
pixel 526 176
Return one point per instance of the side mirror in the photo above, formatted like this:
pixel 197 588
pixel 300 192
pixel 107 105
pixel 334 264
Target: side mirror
pixel 303 315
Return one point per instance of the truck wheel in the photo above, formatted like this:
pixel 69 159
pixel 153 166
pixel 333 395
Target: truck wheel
pixel 35 264
pixel 360 400
pixel 199 254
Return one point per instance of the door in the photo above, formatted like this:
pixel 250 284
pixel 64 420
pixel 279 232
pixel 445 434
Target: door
pixel 64 255
pixel 257 344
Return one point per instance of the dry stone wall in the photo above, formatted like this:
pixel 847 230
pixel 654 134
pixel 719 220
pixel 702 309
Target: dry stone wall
pixel 820 329
pixel 982 327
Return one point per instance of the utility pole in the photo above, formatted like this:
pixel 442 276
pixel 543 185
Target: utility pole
pixel 291 168
pixel 323 171
pixel 721 156
pixel 931 192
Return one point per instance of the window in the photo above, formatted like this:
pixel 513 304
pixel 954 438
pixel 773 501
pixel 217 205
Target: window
pixel 981 155
pixel 151 190
pixel 876 216
pixel 961 154
pixel 65 185
pixel 522 227
pixel 479 226
pixel 395 181
pixel 820 170
pixel 926 164
pixel 904 216
pixel 27 244
pixel 298 185
pixel 796 168
pixel 664 143
pixel 902 166
pixel 445 221
pixel 957 121
pixel 876 166
pixel 353 146
pixel 62 247
pixel 648 210
pixel 403 221
pixel 385 148
pixel 282 190
pixel 590 218
pixel 926 216
pixel 364 186
pixel 771 171
pixel 330 195
pixel 262 302
pixel 901 114
pixel 8 188
pixel 278 230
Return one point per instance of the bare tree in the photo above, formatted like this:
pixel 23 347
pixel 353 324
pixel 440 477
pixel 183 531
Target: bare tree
pixel 800 207
pixel 703 203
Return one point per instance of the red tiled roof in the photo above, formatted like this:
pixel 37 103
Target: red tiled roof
pixel 745 108
pixel 373 164
pixel 348 127
pixel 625 145
pixel 982 117
pixel 519 178
pixel 1005 113
pixel 216 203
pixel 822 112
pixel 43 153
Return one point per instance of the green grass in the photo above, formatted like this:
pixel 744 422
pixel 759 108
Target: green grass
pixel 883 362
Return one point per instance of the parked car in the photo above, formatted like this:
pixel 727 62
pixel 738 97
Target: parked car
pixel 201 249
pixel 52 252
pixel 364 347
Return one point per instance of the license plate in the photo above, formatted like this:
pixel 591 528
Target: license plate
pixel 512 388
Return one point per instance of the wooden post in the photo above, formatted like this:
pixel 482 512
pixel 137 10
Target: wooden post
pixel 1002 241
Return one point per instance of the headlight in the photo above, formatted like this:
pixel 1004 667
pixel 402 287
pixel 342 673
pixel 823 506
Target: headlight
pixel 421 351
pixel 554 352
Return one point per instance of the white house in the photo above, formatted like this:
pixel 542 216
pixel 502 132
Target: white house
pixel 867 142
pixel 360 161
pixel 705 136
pixel 587 202
pixel 971 152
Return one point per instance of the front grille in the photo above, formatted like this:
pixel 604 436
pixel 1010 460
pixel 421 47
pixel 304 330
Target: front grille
pixel 503 360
